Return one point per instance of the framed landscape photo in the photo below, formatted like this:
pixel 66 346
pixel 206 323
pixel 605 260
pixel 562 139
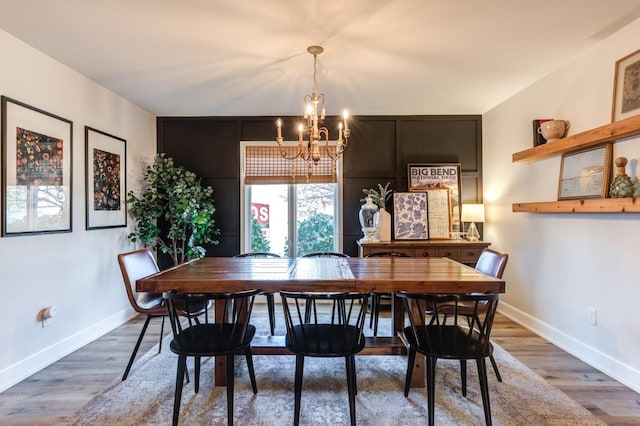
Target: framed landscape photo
pixel 626 87
pixel 410 220
pixel 36 170
pixel 105 165
pixel 585 173
pixel 423 177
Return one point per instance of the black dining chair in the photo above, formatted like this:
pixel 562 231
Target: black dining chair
pixel 376 298
pixel 231 334
pixel 325 254
pixel 271 303
pixel 335 333
pixel 454 338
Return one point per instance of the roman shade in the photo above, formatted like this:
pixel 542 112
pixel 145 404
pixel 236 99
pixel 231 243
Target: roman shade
pixel 266 165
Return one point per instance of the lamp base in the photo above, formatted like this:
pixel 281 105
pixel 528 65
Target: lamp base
pixel 472 233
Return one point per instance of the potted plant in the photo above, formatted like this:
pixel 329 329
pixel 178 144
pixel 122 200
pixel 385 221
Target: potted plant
pixel 380 198
pixel 174 212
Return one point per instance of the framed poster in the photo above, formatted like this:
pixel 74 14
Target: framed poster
pixel 36 170
pixel 105 167
pixel 439 213
pixel 626 87
pixel 585 173
pixel 410 220
pixel 442 175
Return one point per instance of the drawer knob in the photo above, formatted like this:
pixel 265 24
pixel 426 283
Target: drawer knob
pixel 425 254
pixel 447 253
pixel 470 253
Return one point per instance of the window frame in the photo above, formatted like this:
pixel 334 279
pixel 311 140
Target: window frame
pixel 245 223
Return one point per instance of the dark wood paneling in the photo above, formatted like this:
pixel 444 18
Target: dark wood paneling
pixel 378 152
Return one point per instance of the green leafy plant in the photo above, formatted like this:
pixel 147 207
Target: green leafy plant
pixel 379 196
pixel 173 196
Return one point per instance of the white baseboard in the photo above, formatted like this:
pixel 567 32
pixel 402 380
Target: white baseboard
pixel 22 369
pixel 615 369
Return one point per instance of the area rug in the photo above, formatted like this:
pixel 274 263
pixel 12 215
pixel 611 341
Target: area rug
pixel 146 397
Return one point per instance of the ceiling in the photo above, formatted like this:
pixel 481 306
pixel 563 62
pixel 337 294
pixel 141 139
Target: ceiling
pixel 248 57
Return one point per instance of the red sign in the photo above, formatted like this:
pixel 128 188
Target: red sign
pixel 261 213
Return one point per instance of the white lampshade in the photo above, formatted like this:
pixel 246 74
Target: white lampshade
pixel 472 213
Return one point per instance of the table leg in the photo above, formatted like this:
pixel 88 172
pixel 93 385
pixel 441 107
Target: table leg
pixel 220 366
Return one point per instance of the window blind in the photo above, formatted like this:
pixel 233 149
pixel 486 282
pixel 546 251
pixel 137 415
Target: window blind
pixel 266 165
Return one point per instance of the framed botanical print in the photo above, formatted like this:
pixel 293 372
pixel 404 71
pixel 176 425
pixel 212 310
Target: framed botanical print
pixel 423 177
pixel 439 213
pixel 36 170
pixel 410 220
pixel 626 87
pixel 105 165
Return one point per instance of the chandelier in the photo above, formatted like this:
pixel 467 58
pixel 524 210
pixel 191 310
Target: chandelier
pixel 311 130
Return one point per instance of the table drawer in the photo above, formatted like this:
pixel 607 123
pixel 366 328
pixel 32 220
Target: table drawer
pixel 469 255
pixel 425 252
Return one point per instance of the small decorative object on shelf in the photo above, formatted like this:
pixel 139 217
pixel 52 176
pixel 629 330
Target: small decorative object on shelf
pixel 380 198
pixel 538 139
pixel 622 186
pixel 368 217
pixel 554 129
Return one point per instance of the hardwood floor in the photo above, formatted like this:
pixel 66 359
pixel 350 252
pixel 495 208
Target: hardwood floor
pixel 56 392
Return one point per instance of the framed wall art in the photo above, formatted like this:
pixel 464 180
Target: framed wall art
pixel 410 219
pixel 36 170
pixel 439 213
pixel 423 177
pixel 626 87
pixel 105 165
pixel 585 173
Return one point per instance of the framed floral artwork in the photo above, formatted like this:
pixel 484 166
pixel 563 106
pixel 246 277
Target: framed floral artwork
pixel 410 219
pixel 36 170
pixel 626 87
pixel 105 165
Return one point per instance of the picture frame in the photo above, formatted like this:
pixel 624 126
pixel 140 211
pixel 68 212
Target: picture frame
pixel 37 164
pixel 105 180
pixel 439 213
pixel 626 87
pixel 423 177
pixel 585 173
pixel 410 218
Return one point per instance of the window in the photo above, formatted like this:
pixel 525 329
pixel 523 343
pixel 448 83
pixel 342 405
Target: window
pixel 281 212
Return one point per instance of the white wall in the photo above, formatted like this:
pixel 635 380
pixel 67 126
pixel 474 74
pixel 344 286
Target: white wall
pixel 562 264
pixel 76 272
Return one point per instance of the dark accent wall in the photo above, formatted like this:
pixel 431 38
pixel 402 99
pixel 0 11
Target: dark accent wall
pixel 379 150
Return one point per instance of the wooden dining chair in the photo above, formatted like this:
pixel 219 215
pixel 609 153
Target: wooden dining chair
pixel 337 333
pixel 456 339
pixel 271 303
pixel 376 298
pixel 225 333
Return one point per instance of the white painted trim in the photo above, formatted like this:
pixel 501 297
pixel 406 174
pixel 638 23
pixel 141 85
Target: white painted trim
pixel 613 368
pixel 24 368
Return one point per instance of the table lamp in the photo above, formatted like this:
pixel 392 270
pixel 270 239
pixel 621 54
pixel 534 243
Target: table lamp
pixel 472 213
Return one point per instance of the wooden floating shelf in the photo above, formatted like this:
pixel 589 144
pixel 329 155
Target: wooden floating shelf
pixel 597 205
pixel 607 133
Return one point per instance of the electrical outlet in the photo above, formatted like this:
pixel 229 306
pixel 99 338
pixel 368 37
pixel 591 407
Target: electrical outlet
pixel 592 316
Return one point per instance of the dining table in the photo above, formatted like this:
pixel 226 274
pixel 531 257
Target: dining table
pixel 326 274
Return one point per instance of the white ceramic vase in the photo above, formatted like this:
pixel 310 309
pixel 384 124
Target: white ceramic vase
pixel 384 225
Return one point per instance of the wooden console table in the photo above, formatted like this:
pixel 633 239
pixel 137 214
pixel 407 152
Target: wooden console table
pixel 463 251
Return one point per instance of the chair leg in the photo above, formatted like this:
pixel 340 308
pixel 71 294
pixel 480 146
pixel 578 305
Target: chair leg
pixel 271 307
pixel 484 389
pixel 351 387
pixel 161 335
pixel 431 388
pixel 182 366
pixel 252 375
pixel 376 315
pixel 495 367
pixel 230 389
pixel 298 389
pixel 410 362
pixel 196 372
pixel 135 349
pixel 463 376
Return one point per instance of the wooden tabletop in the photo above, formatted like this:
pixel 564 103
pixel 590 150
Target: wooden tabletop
pixel 219 274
